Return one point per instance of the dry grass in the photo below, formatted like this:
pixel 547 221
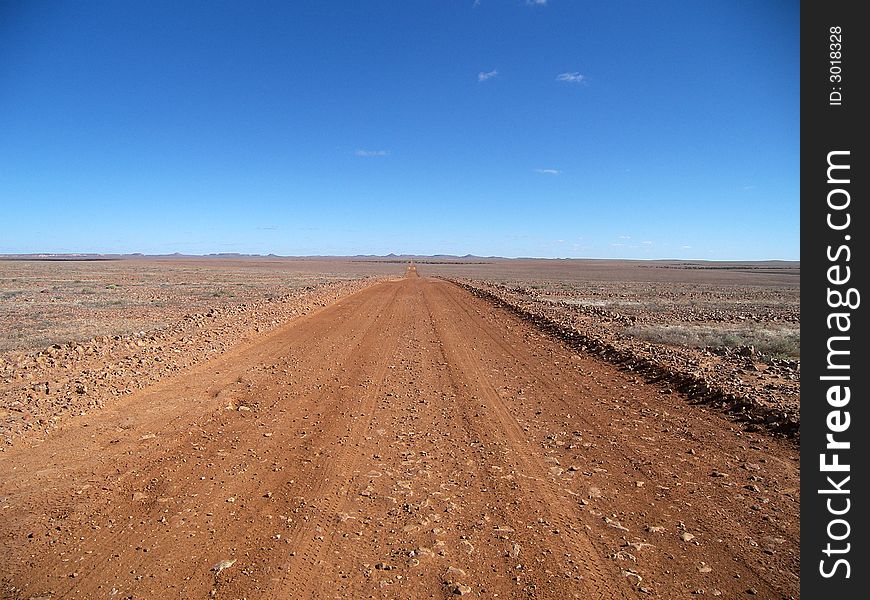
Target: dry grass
pixel 773 343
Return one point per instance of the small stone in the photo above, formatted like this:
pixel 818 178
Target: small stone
pixel 687 537
pixel 633 574
pixel 615 524
pixel 460 589
pixel 640 545
pixel 224 564
pixel 454 572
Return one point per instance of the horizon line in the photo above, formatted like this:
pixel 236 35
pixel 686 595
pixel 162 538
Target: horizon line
pixel 141 255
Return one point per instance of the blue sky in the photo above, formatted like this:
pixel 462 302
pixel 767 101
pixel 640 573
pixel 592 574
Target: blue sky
pixel 552 128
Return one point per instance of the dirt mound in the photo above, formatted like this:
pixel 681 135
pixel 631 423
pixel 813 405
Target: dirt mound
pixel 761 392
pixel 39 389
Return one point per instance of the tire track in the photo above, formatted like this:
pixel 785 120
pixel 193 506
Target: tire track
pixel 330 489
pixel 147 463
pixel 465 366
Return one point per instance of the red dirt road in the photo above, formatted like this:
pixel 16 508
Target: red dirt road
pixel 409 441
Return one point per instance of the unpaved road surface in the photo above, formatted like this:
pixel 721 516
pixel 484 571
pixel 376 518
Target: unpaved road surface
pixel 408 441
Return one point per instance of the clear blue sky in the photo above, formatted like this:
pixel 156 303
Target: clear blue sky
pixel 624 129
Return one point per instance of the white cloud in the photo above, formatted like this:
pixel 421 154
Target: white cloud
pixel 625 237
pixel 572 77
pixel 647 243
pixel 685 247
pixel 483 76
pixel 368 153
pixel 548 171
pixel 536 2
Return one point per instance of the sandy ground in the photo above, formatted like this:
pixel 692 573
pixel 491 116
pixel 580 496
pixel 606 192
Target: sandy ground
pixel 408 441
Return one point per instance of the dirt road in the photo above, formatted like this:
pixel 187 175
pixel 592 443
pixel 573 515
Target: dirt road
pixel 409 441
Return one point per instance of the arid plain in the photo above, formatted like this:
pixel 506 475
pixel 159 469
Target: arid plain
pixel 352 428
